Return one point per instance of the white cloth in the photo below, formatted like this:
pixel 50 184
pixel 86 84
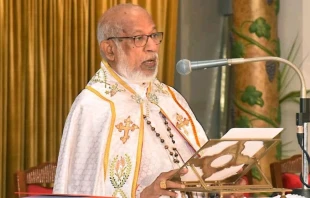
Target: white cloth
pixel 290 196
pixel 94 160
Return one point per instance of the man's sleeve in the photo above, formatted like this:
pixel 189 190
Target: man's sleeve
pixel 80 160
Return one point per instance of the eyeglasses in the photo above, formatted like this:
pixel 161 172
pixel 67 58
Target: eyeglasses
pixel 141 40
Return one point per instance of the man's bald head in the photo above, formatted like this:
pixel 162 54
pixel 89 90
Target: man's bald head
pixel 118 19
pixel 126 24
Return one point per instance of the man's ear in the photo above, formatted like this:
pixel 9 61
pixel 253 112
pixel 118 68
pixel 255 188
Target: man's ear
pixel 108 49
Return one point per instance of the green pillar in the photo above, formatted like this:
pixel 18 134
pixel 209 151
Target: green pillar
pixel 256 90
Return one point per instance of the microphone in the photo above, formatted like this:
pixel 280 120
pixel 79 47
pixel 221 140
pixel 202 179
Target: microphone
pixel 185 66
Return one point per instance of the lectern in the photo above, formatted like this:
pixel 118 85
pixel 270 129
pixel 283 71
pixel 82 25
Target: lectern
pixel 217 167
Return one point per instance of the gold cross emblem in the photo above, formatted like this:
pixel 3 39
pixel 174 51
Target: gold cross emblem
pixel 114 89
pixel 126 127
pixel 181 123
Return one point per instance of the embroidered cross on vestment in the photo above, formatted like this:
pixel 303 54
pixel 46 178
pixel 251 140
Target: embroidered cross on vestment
pixel 182 123
pixel 126 127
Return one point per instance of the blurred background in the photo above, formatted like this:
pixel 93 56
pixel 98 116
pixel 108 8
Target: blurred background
pixel 48 52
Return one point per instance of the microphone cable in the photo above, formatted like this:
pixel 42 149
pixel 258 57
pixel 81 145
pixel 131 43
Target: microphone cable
pixel 300 138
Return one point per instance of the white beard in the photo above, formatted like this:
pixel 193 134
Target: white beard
pixel 136 76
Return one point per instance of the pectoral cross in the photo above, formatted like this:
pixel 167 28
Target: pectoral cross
pixel 182 123
pixel 128 126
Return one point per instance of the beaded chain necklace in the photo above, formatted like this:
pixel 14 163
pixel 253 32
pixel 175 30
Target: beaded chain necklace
pixel 173 152
pixel 152 98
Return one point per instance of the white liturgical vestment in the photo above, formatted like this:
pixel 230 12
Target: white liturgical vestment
pixel 119 136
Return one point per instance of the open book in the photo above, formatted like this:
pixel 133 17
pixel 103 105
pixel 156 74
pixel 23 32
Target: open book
pixel 229 158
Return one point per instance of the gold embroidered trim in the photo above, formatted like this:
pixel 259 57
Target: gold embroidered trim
pixel 107 150
pixel 181 123
pixel 139 154
pixel 180 132
pixel 189 117
pixel 112 72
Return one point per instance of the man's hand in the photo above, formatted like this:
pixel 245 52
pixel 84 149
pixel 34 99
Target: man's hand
pixel 241 182
pixel 157 188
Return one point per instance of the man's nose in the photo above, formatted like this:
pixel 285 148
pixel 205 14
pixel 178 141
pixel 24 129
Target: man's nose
pixel 151 45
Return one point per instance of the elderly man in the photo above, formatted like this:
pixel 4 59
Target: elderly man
pixel 127 133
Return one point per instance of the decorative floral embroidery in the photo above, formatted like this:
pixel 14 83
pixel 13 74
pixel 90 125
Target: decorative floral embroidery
pixel 181 123
pixel 137 98
pixel 100 76
pixel 128 126
pixel 152 98
pixel 120 169
pixel 119 193
pixel 160 88
pixel 114 89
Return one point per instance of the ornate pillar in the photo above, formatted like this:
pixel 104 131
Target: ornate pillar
pixel 256 86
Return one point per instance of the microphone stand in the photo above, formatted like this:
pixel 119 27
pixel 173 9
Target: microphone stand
pixel 302 119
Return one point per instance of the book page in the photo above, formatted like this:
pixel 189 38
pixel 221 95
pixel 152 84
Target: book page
pixel 252 133
pixel 223 159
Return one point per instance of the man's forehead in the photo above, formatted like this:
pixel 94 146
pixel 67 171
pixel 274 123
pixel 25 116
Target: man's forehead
pixel 139 31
